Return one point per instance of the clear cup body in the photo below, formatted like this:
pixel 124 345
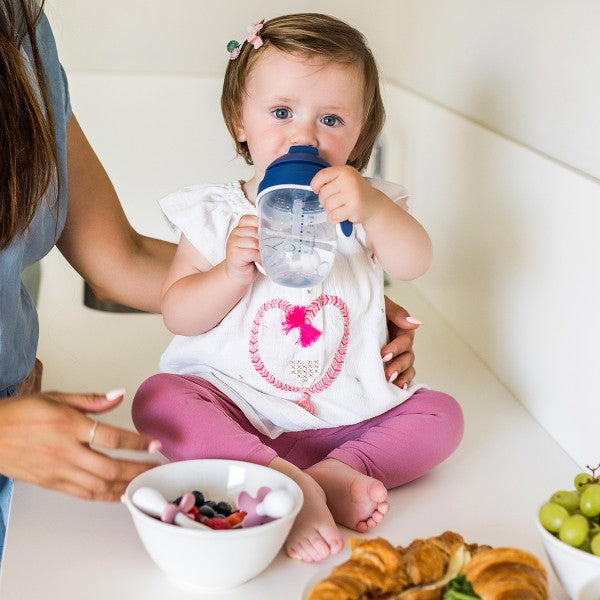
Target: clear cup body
pixel 297 243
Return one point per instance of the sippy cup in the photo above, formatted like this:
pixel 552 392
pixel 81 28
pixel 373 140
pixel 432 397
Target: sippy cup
pixel 297 243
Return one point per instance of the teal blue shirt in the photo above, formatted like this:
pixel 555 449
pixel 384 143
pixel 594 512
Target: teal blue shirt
pixel 18 318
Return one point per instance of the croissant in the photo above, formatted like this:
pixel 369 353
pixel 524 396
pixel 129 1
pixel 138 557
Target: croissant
pixel 377 569
pixel 423 570
pixel 507 574
pixel 373 569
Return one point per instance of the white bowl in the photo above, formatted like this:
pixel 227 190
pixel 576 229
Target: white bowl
pixel 198 560
pixel 578 571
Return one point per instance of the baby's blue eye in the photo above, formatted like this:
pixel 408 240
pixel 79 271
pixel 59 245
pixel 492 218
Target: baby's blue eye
pixel 281 113
pixel 330 120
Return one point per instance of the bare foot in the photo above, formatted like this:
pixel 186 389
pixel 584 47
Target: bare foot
pixel 314 535
pixel 355 500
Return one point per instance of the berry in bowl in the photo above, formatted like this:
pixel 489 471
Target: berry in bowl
pixel 192 516
pixel 569 523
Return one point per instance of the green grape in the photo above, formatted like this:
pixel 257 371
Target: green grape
pixel 567 498
pixel 552 516
pixel 589 503
pixel 595 544
pixel 574 530
pixel 582 480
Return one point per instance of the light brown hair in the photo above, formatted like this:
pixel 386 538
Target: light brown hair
pixel 28 155
pixel 310 35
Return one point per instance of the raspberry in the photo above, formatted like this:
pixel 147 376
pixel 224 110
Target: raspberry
pixel 193 512
pixel 235 518
pixel 218 523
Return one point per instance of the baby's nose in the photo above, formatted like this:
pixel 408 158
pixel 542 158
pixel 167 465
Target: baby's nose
pixel 304 135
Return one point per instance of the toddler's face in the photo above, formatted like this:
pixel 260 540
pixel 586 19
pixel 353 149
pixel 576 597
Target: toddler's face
pixel 292 101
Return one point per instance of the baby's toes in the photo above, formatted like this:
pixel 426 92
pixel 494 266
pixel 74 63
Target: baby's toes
pixel 377 517
pixel 316 546
pixel 362 526
pixel 336 544
pixel 377 491
pixel 297 552
pixel 383 507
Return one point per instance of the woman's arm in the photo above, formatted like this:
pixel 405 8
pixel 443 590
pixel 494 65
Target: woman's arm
pixel 119 264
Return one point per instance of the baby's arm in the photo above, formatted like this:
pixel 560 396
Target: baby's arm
pixel 197 295
pixel 397 239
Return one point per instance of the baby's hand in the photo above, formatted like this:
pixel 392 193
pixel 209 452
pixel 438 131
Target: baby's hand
pixel 346 195
pixel 241 251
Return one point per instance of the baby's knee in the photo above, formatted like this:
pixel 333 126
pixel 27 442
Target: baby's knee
pixel 448 423
pixel 151 400
pixel 451 423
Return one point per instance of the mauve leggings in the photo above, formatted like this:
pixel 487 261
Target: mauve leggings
pixel 193 419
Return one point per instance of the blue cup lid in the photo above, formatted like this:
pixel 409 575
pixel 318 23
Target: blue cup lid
pixel 297 167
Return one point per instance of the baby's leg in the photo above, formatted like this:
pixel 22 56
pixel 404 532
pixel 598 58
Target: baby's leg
pixel 314 535
pixel 385 452
pixel 193 419
pixel 355 500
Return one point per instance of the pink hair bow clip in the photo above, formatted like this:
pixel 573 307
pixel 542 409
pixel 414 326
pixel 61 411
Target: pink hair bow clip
pixel 253 37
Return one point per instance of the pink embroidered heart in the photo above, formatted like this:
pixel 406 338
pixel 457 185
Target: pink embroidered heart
pixel 311 310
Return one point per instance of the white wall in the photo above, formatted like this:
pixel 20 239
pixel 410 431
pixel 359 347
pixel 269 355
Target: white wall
pixel 495 129
pixel 493 125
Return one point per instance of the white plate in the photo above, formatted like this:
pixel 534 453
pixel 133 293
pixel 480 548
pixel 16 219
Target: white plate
pixel 321 574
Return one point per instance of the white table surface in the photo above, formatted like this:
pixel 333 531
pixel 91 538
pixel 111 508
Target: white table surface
pixel 60 547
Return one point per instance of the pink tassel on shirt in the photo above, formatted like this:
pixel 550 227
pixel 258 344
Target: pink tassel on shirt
pixel 307 334
pixel 306 404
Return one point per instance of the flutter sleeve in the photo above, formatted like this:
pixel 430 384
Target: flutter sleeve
pixel 205 214
pixel 394 191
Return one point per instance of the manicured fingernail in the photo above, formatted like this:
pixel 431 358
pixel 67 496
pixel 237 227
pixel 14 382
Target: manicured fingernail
pixel 413 321
pixel 123 499
pixel 405 386
pixel 393 376
pixel 387 357
pixel 154 446
pixel 114 394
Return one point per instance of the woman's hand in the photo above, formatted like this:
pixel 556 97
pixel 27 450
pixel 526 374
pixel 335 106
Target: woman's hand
pixel 45 440
pixel 398 355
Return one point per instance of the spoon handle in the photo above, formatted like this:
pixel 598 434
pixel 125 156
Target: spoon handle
pixel 153 503
pixel 185 521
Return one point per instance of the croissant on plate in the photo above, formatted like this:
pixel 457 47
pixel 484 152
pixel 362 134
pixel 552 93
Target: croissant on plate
pixel 507 574
pixel 422 571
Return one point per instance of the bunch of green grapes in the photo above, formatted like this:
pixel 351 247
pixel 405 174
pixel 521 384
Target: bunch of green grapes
pixel 574 515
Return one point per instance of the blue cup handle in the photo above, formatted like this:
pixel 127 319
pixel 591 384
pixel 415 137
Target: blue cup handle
pixel 346 227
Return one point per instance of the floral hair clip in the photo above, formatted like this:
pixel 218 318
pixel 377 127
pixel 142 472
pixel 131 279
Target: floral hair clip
pixel 253 37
